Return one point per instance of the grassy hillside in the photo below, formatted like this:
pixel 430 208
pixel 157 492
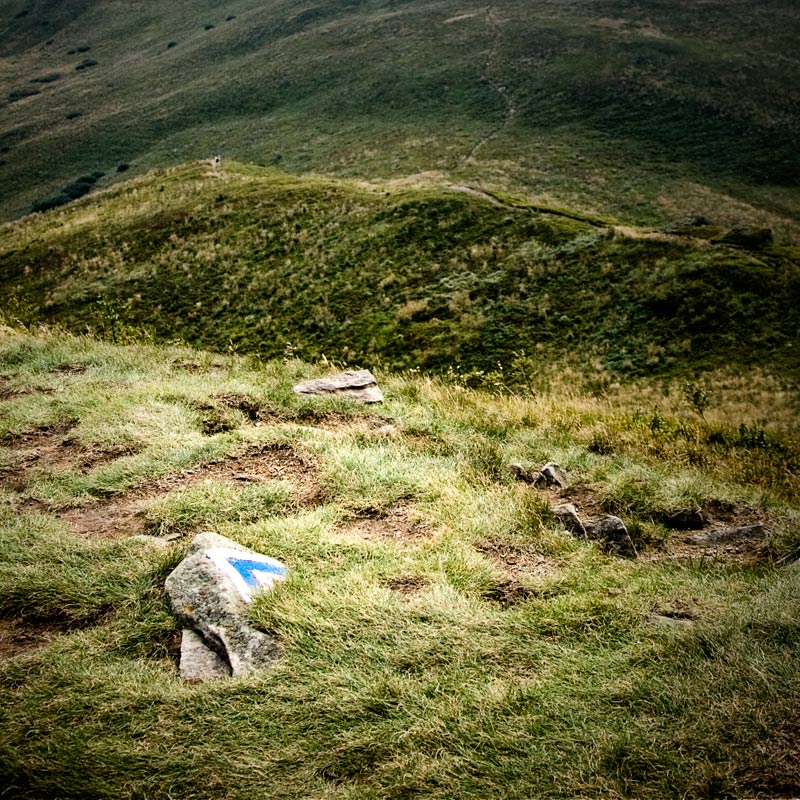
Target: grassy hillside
pixel 431 278
pixel 646 109
pixel 440 635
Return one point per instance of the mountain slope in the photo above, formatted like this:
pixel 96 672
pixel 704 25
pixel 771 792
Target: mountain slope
pixel 251 258
pixel 648 109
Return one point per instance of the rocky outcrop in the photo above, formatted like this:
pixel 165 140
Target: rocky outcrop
pixel 209 592
pixel 359 385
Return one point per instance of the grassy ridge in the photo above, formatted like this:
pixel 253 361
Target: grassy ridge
pixel 638 108
pixel 434 278
pixel 440 635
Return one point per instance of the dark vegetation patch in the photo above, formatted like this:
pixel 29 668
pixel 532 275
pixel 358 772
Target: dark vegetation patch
pixel 87 63
pixel 51 77
pixel 393 524
pixel 78 188
pixel 21 94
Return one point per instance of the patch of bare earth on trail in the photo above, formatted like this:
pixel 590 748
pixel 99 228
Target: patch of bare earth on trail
pixel 52 449
pixel 396 523
pixel 717 531
pixel 521 567
pixel 125 515
pixel 517 561
pixel 18 637
pixel 407 585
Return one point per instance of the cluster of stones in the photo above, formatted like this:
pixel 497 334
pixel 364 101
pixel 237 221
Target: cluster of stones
pixel 609 530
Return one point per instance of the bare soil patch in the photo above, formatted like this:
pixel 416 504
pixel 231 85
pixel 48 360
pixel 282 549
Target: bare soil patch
pixel 407 584
pixel 53 449
pixel 125 515
pixel 509 593
pixel 718 530
pixel 18 637
pixel 394 524
pixel 518 561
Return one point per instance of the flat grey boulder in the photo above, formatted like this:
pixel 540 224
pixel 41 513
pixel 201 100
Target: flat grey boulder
pixel 359 385
pixel 209 592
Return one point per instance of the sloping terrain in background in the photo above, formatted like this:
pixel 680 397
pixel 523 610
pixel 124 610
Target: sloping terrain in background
pixel 648 110
pixel 250 258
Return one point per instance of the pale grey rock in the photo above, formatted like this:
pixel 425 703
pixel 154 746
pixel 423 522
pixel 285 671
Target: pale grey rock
pixel 359 385
pixel 567 515
pixel 199 662
pixel 611 531
pixel 209 593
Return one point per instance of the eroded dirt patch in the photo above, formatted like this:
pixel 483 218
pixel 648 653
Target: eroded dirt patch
pixel 125 515
pixel 53 450
pixel 397 523
pixel 741 545
pixel 18 637
pixel 407 585
pixel 717 530
pixel 518 561
pixel 509 593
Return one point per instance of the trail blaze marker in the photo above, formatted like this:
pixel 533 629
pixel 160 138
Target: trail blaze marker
pixel 251 573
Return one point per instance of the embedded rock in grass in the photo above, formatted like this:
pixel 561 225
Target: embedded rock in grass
pixel 685 224
pixel 198 661
pixel 614 536
pixel 567 515
pixel 359 385
pixel 209 592
pixel 730 535
pixel 522 474
pixel 746 236
pixel 551 475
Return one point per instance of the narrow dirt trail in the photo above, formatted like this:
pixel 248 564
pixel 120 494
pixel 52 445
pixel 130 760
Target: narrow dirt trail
pixel 488 74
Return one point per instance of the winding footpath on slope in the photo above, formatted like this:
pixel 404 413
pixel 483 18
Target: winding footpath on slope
pixel 499 88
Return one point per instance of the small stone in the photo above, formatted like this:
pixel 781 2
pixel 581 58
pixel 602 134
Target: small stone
pixel 520 473
pixel 611 531
pixel 359 385
pixel 567 515
pixel 199 662
pixel 551 474
pixel 209 592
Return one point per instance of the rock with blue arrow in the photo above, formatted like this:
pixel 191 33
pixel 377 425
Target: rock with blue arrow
pixel 209 592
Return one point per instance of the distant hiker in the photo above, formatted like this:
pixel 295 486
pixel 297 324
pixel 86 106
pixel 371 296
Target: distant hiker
pixel 216 161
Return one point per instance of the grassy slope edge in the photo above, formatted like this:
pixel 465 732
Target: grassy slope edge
pixel 405 276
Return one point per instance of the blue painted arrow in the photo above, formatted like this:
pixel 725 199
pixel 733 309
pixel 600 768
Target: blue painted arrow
pixel 245 567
